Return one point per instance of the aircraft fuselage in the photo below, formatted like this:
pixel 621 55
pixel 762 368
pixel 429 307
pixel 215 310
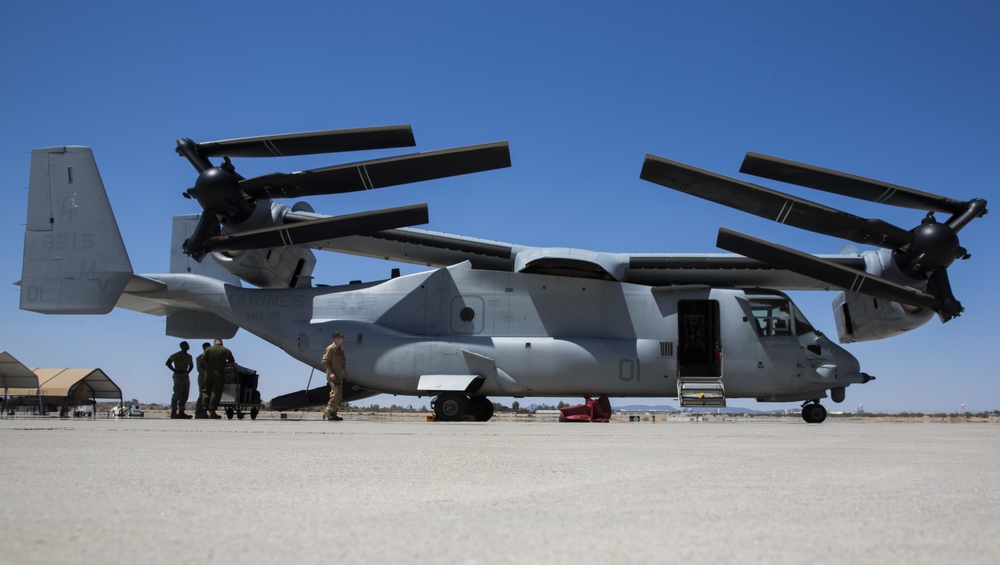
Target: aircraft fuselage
pixel 540 335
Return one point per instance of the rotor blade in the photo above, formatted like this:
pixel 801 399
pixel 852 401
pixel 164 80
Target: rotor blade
pixel 822 270
pixel 771 204
pixel 380 173
pixel 847 185
pixel 310 143
pixel 939 284
pixel 303 233
pixel 208 227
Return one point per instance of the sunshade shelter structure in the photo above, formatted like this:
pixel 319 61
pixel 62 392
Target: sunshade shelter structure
pixel 67 387
pixel 14 375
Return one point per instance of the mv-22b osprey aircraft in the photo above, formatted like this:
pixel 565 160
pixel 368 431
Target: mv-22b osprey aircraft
pixel 497 318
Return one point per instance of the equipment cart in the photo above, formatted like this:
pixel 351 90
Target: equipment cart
pixel 239 393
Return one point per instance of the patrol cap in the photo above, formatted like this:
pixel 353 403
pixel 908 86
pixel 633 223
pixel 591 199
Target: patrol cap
pixel 337 334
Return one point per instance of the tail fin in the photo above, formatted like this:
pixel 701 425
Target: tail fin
pixel 180 262
pixel 74 258
pixel 190 324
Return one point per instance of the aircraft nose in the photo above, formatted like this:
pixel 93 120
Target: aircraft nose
pixel 849 363
pixel 839 367
pixel 839 356
pixel 849 368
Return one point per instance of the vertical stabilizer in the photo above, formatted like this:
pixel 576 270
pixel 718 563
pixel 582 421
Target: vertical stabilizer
pixel 74 258
pixel 180 262
pixel 191 324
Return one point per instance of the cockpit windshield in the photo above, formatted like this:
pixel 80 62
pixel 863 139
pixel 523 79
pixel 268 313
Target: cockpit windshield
pixel 775 316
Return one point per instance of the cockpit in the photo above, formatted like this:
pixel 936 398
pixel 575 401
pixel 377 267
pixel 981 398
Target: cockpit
pixel 775 315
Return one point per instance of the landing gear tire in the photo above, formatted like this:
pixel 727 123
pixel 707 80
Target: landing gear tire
pixel 482 408
pixel 229 413
pixel 451 407
pixel 813 413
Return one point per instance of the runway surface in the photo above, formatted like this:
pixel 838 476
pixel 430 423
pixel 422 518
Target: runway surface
pixel 172 491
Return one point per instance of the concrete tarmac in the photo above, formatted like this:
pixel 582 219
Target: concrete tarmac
pixel 767 491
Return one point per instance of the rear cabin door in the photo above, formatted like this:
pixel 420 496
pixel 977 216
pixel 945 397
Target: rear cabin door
pixel 699 339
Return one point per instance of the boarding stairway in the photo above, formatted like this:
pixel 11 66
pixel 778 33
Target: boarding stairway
pixel 701 392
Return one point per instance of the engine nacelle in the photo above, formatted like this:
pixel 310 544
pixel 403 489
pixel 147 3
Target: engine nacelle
pixel 865 318
pixel 277 267
pixel 861 317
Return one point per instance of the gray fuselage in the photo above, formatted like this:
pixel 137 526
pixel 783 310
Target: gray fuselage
pixel 541 335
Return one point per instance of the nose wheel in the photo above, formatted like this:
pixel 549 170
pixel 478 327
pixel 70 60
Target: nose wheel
pixel 813 412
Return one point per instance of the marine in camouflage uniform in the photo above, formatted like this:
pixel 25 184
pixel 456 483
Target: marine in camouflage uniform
pixel 199 362
pixel 181 364
pixel 215 358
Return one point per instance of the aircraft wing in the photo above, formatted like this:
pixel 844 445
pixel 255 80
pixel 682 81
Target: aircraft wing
pixel 422 247
pixel 437 249
pixel 724 269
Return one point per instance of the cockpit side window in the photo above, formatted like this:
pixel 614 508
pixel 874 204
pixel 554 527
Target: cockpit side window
pixel 775 315
pixel 772 316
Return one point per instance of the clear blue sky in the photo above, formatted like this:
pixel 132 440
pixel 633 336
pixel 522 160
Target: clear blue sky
pixel 899 91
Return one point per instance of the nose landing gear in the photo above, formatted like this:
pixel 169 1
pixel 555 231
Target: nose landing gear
pixel 813 412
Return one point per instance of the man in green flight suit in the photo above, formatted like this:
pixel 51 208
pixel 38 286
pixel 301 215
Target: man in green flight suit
pixel 199 363
pixel 215 359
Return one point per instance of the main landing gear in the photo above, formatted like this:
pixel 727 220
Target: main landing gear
pixel 455 406
pixel 813 412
